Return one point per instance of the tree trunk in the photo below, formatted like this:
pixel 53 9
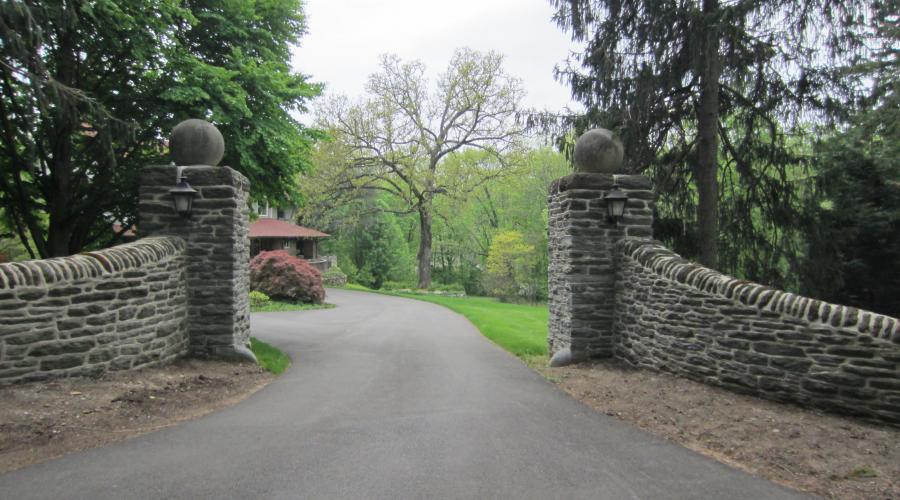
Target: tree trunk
pixel 64 123
pixel 424 256
pixel 708 144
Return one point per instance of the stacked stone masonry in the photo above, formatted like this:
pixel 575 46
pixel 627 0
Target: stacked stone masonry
pixel 582 253
pixel 218 250
pixel 616 293
pixel 677 316
pixel 115 309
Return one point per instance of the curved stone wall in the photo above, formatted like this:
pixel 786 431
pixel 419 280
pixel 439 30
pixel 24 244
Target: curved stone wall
pixel 677 316
pixel 119 308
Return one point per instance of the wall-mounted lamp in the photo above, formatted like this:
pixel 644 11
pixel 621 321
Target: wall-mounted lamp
pixel 615 202
pixel 183 196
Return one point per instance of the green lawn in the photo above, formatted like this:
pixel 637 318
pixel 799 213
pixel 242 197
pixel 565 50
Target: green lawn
pixel 276 306
pixel 519 328
pixel 269 357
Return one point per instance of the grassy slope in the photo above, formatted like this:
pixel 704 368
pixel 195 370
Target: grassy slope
pixel 519 328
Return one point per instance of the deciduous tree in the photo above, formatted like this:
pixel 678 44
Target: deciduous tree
pixel 398 138
pixel 89 91
pixel 509 266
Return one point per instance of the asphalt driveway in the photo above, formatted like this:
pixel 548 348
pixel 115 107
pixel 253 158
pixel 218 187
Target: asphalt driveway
pixel 391 398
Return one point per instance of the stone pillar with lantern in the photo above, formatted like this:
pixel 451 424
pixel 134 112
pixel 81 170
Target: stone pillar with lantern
pixel 206 205
pixel 589 212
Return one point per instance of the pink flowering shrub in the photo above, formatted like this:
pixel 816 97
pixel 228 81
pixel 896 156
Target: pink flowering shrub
pixel 282 276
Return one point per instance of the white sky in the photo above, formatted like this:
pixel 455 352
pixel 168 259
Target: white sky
pixel 346 38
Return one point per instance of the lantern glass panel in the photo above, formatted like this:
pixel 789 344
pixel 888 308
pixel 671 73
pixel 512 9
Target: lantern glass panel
pixel 183 202
pixel 617 208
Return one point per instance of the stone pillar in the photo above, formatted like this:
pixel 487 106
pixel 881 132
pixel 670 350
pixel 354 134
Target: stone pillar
pixel 217 253
pixel 582 242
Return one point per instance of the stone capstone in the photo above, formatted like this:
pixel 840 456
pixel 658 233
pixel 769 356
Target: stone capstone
pixel 599 151
pixel 196 142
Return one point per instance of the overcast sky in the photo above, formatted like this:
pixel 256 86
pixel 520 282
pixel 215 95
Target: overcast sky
pixel 346 38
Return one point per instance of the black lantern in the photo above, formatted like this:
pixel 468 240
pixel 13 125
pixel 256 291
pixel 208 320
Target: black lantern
pixel 615 203
pixel 183 196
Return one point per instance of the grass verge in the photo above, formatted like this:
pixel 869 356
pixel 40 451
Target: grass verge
pixel 269 357
pixel 277 306
pixel 519 328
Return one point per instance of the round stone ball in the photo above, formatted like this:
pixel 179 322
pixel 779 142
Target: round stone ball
pixel 196 142
pixel 599 151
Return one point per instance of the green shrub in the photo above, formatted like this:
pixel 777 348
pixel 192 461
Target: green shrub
pixel 398 285
pixel 451 289
pixel 259 299
pixel 334 277
pixel 447 289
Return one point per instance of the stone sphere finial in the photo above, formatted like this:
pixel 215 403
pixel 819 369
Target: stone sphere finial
pixel 599 151
pixel 196 142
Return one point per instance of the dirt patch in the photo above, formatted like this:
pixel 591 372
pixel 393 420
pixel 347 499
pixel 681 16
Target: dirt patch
pixel 830 456
pixel 43 420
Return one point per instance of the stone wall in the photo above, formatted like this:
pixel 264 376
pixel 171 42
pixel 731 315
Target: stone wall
pixel 677 316
pixel 218 251
pixel 616 293
pixel 582 251
pixel 115 309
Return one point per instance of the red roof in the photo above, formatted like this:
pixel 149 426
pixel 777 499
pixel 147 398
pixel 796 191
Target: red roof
pixel 274 228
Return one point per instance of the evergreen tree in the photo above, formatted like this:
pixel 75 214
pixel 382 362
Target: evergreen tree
pixel 376 249
pixel 692 86
pixel 853 227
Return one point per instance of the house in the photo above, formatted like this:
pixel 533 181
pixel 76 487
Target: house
pixel 273 230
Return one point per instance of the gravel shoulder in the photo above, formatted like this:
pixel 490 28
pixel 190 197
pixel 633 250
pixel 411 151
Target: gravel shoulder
pixel 44 420
pixel 830 456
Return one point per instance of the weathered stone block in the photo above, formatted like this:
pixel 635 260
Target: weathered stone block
pixel 751 358
pixel 843 379
pixel 791 364
pixel 778 349
pixel 62 362
pixel 31 294
pixel 62 347
pixel 819 386
pixel 850 352
pixel 30 337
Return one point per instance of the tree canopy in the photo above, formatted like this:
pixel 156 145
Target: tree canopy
pixel 399 138
pixel 90 91
pixel 698 88
pixel 853 217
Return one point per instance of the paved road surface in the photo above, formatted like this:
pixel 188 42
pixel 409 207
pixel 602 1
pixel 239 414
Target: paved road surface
pixel 391 398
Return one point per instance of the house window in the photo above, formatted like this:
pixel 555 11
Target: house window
pixel 286 244
pixel 262 210
pixel 281 213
